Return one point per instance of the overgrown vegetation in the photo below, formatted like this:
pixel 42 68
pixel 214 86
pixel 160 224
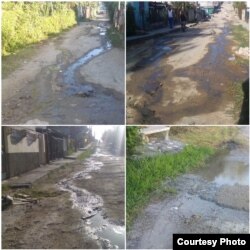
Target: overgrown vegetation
pixel 116 32
pixel 111 8
pixel 133 139
pixel 240 96
pixel 24 23
pixel 116 37
pixel 145 175
pixel 207 136
pixel 241 35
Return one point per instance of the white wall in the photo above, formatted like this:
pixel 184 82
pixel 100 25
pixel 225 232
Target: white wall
pixel 22 146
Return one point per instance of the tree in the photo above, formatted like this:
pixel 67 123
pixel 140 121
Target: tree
pixel 133 139
pixel 239 6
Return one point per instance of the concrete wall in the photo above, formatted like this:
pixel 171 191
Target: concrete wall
pixel 22 155
pixel 42 152
pixel 22 146
pixel 20 163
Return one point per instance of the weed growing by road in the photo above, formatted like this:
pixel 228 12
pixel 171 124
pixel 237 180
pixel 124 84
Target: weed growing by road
pixel 116 37
pixel 85 154
pixel 204 136
pixel 145 175
pixel 241 35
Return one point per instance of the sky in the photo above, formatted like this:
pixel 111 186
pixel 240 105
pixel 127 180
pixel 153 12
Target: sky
pixel 98 130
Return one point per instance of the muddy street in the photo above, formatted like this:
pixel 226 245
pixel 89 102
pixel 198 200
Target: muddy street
pixel 186 77
pixel 81 205
pixel 64 79
pixel 213 199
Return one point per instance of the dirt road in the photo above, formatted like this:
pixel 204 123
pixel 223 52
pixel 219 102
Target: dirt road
pixel 214 199
pixel 185 78
pixel 81 205
pixel 74 78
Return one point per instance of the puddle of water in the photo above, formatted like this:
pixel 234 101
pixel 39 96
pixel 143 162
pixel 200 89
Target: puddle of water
pixel 228 168
pixel 111 236
pixel 69 74
pixel 105 230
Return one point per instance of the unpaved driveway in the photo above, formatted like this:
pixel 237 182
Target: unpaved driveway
pixel 214 199
pixel 66 197
pixel 185 78
pixel 52 85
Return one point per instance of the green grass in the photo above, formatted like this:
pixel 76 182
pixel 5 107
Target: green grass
pixel 241 35
pixel 236 91
pixel 116 37
pixel 14 61
pixel 207 136
pixel 145 175
pixel 5 188
pixel 25 24
pixel 85 154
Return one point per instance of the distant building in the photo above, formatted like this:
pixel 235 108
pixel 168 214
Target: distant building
pixel 209 6
pixel 149 15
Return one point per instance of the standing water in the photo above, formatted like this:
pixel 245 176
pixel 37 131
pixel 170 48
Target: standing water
pixel 69 74
pixel 231 166
pixel 97 224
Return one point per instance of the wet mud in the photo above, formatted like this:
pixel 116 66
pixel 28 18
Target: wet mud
pixel 159 93
pixel 96 204
pixel 81 207
pixel 213 199
pixel 59 94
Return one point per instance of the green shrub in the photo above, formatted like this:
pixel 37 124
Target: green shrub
pixel 133 139
pixel 27 23
pixel 145 175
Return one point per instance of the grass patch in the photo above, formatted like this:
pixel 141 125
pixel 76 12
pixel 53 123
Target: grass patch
pixel 145 175
pixel 237 93
pixel 240 61
pixel 85 154
pixel 14 61
pixel 5 188
pixel 241 35
pixel 116 37
pixel 204 136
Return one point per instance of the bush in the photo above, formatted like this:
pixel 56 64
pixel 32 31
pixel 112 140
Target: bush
pixel 27 23
pixel 145 175
pixel 133 139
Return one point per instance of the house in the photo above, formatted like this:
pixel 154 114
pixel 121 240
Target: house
pixel 27 148
pixel 20 150
pixel 148 15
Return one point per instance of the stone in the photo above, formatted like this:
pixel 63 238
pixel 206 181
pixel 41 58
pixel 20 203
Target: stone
pixel 85 91
pixel 244 52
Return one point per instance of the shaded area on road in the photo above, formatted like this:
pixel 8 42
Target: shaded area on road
pixel 244 113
